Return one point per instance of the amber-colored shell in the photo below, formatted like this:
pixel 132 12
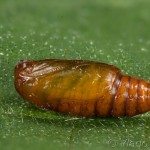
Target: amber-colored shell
pixel 83 88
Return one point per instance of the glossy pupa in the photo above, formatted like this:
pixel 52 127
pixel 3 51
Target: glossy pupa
pixel 79 87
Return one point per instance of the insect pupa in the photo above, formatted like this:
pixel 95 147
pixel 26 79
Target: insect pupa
pixel 79 87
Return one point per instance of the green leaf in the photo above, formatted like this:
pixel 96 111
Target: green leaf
pixel 115 32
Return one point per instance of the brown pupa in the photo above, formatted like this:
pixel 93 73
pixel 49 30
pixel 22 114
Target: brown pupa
pixel 84 88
